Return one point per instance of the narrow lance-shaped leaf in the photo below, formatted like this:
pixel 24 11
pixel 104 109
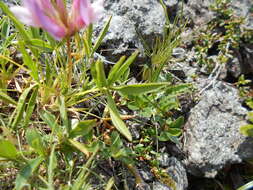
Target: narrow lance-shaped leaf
pixel 98 74
pixel 116 120
pixel 101 36
pixel 110 184
pixel 40 45
pixel 18 113
pixel 177 89
pixel 30 107
pixel 82 128
pixel 51 121
pixel 81 179
pixel 138 89
pixel 35 140
pixel 63 113
pixel 7 99
pixel 114 70
pixel 118 72
pixel 29 62
pixel 247 130
pixel 247 186
pixel 80 147
pixel 51 167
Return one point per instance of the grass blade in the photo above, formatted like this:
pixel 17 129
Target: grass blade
pixel 101 36
pixel 110 184
pixel 7 99
pixel 52 165
pixel 18 113
pixel 30 107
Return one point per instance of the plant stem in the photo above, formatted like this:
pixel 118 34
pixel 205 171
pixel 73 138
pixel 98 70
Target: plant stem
pixel 70 64
pixel 135 172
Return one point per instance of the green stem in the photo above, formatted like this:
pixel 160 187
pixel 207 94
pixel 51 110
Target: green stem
pixel 70 63
pixel 134 171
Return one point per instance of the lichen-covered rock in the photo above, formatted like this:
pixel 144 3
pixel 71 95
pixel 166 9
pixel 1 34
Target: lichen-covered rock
pixel 129 16
pixel 160 186
pixel 198 11
pixel 212 138
pixel 176 179
pixel 178 173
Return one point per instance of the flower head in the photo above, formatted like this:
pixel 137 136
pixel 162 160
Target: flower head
pixel 52 15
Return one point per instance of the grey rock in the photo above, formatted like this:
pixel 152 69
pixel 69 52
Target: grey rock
pixel 212 138
pixel 234 67
pixel 134 129
pixel 160 186
pixel 146 175
pixel 142 186
pixel 246 60
pixel 243 8
pixel 129 16
pixel 188 66
pixel 179 53
pixel 178 173
pixel 171 3
pixel 164 160
pixel 198 12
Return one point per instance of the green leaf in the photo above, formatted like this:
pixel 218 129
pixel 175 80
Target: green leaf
pixel 110 183
pixel 82 128
pixel 79 146
pixel 247 130
pixel 138 89
pixel 34 139
pixel 250 116
pixel 174 132
pixel 34 72
pixel 89 32
pixel 26 173
pixel 116 141
pixel 116 120
pixel 178 123
pixel 101 79
pixel 101 35
pixel 40 45
pixel 63 113
pixel 51 121
pixel 117 151
pixel 30 107
pixel 177 89
pixel 247 186
pixel 7 150
pixel 51 167
pixel 7 99
pixel 120 70
pixel 18 113
pixel 5 28
pixel 84 173
pixel 114 70
pixel 166 136
pixel 250 103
